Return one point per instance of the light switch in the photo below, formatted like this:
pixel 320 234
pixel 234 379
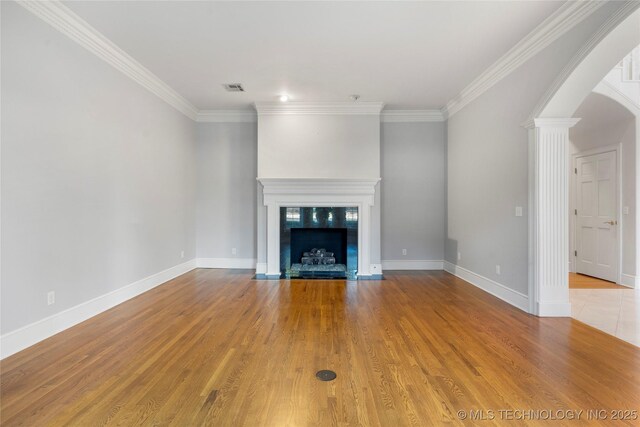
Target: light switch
pixel 625 210
pixel 518 210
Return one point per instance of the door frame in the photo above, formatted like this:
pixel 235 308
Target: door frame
pixel 573 203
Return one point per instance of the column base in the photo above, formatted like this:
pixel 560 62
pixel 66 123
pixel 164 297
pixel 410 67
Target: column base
pixel 554 309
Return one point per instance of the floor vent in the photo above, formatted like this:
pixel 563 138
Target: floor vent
pixel 326 375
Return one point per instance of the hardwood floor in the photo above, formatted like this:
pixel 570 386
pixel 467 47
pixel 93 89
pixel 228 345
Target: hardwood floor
pixel 214 347
pixel 580 281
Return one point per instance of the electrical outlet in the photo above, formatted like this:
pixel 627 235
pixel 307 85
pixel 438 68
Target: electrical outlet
pixel 234 251
pixel 51 298
pixel 459 256
pixel 498 270
pixel 404 252
pixel 518 210
pixel 182 254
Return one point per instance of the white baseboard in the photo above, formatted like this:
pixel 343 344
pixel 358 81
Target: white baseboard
pixel 14 341
pixel 496 289
pixel 412 265
pixel 240 263
pixel 629 280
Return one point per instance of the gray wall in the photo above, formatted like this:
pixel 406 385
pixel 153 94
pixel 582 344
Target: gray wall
pixel 413 190
pixel 487 165
pixel 97 175
pixel 226 190
pixel 411 196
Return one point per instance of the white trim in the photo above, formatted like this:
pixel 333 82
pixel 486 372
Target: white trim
pixel 496 289
pixel 261 268
pixel 227 116
pixel 560 98
pixel 556 122
pixel 630 280
pixel 617 148
pixel 549 217
pixel 279 192
pixel 239 263
pixel 14 341
pixel 553 309
pixel 324 108
pixel 560 22
pixel 407 116
pixel 375 269
pixel 410 264
pixel 551 123
pixel 607 89
pixel 532 290
pixel 68 23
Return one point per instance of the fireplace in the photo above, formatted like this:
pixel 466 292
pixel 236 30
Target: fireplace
pixel 319 242
pixel 353 197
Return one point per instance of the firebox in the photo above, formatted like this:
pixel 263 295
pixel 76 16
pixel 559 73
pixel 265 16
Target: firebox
pixel 319 242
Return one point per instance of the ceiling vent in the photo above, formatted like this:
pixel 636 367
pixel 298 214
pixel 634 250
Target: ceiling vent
pixel 233 87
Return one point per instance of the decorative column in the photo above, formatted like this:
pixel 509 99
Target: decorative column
pixel 550 217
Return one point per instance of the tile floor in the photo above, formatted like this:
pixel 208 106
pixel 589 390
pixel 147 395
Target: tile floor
pixel 614 311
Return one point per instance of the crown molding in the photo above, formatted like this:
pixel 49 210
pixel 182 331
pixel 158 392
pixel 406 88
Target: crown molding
pixel 315 108
pixel 405 116
pixel 612 22
pixel 68 23
pixel 226 116
pixel 560 22
pixel 387 116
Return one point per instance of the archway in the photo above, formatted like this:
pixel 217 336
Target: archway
pixel 548 168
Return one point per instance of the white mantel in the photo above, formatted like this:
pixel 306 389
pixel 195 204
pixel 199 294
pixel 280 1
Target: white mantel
pixel 319 192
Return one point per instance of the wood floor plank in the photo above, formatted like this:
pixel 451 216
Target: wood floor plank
pixel 215 347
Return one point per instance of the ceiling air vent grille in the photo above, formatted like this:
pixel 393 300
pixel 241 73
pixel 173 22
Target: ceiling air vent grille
pixel 233 87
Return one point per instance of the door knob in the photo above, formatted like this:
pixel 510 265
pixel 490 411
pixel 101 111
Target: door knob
pixel 611 222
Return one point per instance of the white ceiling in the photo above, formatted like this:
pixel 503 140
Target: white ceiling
pixel 407 54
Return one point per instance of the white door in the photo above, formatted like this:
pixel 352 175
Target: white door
pixel 596 216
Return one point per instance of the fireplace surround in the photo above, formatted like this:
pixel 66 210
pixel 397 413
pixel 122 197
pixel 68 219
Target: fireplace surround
pixel 280 193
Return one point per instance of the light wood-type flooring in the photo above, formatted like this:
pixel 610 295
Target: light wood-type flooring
pixel 214 347
pixel 580 281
